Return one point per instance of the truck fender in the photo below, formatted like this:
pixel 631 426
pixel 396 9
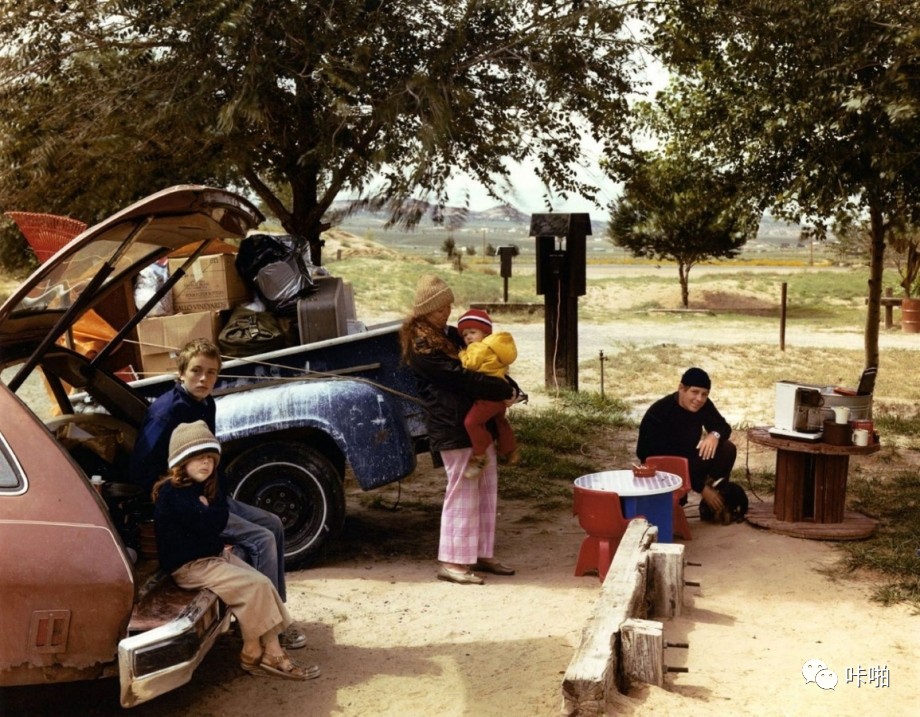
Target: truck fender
pixel 365 423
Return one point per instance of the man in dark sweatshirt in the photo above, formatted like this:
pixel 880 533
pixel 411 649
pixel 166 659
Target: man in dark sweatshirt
pixel 686 423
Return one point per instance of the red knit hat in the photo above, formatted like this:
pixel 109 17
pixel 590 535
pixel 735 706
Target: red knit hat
pixel 475 319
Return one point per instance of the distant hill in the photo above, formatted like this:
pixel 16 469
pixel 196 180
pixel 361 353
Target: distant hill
pixel 500 225
pixel 346 212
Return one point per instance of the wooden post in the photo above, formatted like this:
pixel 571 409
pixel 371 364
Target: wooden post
pixel 560 269
pixel 889 310
pixel 666 579
pixel 643 651
pixel 782 319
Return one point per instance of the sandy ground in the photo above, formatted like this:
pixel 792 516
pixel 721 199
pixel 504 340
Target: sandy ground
pixel 394 641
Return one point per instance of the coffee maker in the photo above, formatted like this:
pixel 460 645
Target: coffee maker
pixel 798 411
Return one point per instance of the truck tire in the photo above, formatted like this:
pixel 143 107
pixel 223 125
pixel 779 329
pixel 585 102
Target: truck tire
pixel 300 486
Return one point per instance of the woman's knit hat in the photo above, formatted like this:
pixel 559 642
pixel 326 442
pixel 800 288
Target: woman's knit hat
pixel 431 294
pixel 189 440
pixel 475 319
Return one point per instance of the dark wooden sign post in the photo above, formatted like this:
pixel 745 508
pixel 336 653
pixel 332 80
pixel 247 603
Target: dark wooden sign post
pixel 506 253
pixel 561 246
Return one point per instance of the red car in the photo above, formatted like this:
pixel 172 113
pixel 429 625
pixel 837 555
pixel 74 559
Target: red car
pixel 75 602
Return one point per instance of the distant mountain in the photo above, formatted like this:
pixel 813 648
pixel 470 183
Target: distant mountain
pixel 346 212
pixel 501 212
pixel 775 231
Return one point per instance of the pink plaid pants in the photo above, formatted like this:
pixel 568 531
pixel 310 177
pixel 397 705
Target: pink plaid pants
pixel 468 514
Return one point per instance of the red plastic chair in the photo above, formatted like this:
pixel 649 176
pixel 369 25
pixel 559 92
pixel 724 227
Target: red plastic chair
pixel 678 465
pixel 601 517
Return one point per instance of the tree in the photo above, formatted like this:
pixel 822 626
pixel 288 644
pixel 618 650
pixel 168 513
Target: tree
pixel 675 207
pixel 813 105
pixel 299 101
pixel 904 243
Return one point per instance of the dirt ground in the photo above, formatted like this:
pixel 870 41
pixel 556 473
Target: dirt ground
pixel 394 641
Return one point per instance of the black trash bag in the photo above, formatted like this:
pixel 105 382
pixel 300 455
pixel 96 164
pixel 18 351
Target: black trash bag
pixel 278 268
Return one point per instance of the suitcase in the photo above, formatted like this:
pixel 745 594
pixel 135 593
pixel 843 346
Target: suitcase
pixel 325 313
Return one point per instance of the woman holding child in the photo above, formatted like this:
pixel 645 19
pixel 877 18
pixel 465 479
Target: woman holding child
pixel 431 349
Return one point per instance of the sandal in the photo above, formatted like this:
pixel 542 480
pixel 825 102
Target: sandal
pixel 283 666
pixel 251 664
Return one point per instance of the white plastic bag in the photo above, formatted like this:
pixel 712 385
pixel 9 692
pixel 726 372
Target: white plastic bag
pixel 148 281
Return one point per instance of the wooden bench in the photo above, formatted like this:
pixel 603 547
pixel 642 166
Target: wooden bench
pixel 619 645
pixel 888 302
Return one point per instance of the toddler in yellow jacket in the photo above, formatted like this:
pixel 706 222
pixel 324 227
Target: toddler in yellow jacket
pixel 490 353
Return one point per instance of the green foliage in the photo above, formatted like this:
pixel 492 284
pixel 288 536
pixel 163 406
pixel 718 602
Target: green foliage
pixel 15 255
pixel 298 101
pixel 892 551
pixel 677 207
pixel 812 105
pixel 553 442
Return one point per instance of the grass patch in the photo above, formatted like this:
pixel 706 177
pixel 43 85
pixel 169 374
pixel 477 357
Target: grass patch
pixel 893 551
pixel 554 444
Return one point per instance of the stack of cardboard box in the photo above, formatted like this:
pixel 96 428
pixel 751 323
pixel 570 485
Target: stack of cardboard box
pixel 211 285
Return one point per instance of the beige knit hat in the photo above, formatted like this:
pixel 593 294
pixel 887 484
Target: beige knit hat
pixel 190 440
pixel 431 294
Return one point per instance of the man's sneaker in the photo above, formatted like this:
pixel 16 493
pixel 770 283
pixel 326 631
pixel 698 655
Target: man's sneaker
pixel 292 639
pixel 475 466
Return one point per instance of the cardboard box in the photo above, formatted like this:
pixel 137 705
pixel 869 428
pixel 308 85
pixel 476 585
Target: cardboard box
pixel 160 338
pixel 210 284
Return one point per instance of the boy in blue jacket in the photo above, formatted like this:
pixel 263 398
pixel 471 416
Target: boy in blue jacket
pixel 258 533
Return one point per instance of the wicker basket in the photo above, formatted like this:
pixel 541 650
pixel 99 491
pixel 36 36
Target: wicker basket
pixel 46 233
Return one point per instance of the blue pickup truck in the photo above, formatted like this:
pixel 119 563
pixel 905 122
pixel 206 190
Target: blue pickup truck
pixel 76 601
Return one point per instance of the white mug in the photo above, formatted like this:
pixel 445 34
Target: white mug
pixel 841 414
pixel 860 437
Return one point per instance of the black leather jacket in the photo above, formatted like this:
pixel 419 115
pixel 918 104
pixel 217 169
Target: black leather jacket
pixel 447 391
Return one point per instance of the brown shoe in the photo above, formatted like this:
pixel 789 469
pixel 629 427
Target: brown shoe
pixel 513 458
pixel 491 565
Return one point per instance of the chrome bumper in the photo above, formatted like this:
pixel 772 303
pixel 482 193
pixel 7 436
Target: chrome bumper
pixel 164 658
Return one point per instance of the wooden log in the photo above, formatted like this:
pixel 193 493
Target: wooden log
pixel 642 651
pixel 665 579
pixel 594 673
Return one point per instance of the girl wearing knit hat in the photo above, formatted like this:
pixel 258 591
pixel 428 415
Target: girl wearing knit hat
pixel 492 354
pixel 190 512
pixel 431 349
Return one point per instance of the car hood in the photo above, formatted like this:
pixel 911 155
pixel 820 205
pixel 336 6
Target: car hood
pixel 117 248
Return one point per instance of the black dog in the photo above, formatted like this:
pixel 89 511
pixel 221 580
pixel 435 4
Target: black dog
pixel 734 500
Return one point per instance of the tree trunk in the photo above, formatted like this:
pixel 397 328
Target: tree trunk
pixel 876 269
pixel 684 273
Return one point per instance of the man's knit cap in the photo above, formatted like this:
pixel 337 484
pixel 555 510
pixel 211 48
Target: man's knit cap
pixel 696 377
